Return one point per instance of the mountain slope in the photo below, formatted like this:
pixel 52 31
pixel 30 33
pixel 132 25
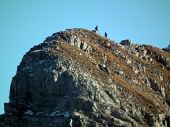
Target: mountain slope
pixel 79 78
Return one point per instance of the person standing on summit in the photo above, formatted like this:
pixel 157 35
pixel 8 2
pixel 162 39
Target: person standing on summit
pixel 105 34
pixel 96 28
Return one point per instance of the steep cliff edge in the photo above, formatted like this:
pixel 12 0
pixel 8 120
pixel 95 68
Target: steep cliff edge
pixel 77 78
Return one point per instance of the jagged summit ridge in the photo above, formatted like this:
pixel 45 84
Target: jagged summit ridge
pixel 79 78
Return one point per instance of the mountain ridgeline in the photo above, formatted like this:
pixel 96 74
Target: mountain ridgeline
pixel 78 78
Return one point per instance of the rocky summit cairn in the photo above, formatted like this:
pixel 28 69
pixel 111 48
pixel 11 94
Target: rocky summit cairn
pixel 77 78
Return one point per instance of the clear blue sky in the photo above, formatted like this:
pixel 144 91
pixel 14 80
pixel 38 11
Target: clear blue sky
pixel 25 23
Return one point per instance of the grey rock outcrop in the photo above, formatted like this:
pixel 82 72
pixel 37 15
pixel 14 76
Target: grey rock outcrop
pixel 77 78
pixel 104 68
pixel 126 42
pixel 167 49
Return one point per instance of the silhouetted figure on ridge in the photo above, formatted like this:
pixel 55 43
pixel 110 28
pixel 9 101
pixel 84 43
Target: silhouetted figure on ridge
pixel 105 34
pixel 96 28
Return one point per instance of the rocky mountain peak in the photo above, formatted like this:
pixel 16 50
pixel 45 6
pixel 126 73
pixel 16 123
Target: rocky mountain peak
pixel 79 78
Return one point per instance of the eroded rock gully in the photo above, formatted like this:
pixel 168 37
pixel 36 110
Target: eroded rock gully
pixel 77 78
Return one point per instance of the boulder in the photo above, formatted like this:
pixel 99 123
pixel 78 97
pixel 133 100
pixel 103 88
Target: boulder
pixel 126 42
pixel 104 68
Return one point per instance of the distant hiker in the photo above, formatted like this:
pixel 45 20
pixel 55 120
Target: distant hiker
pixel 105 34
pixel 96 28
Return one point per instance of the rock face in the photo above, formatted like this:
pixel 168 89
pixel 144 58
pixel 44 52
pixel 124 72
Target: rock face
pixel 126 42
pixel 77 78
pixel 167 49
